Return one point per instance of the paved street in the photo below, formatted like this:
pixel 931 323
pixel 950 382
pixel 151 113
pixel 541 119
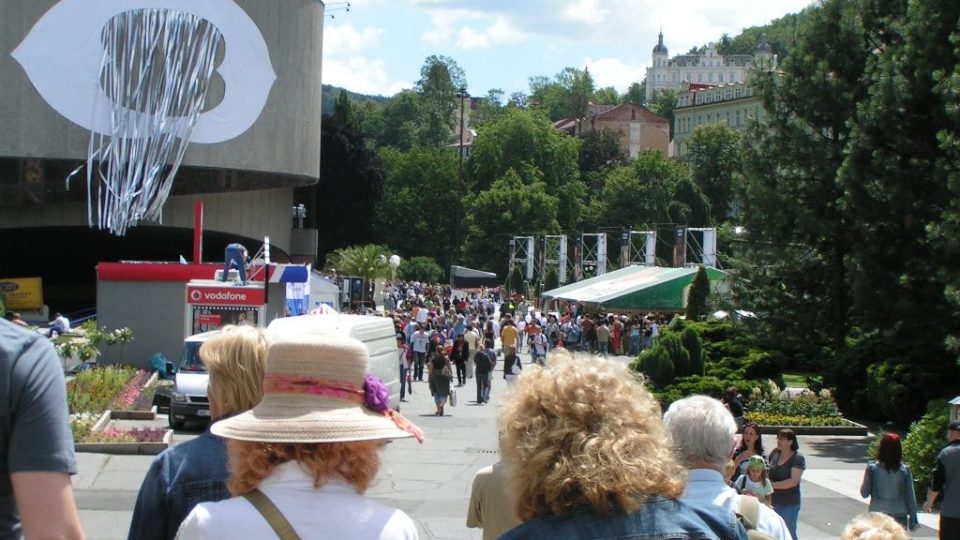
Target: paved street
pixel 431 482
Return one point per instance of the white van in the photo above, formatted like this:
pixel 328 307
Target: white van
pixel 189 398
pixel 377 333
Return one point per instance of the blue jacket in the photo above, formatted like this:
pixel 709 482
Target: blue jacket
pixel 178 479
pixel 657 518
pixel 890 492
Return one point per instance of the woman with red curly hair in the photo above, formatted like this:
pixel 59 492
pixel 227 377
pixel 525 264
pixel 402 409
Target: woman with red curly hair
pixel 889 483
pixel 301 460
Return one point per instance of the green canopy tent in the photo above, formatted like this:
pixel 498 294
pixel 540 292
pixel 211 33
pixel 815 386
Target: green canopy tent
pixel 635 288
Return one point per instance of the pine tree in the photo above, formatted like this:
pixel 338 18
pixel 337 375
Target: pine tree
pixel 697 296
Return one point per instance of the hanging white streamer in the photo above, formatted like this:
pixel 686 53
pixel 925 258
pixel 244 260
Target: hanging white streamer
pixel 156 68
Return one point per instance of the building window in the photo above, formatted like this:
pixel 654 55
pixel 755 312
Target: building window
pixel 738 118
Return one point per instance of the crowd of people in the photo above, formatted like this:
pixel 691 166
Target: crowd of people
pixel 586 452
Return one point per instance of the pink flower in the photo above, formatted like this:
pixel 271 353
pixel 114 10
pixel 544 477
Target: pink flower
pixel 376 394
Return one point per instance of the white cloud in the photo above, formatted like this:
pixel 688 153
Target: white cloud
pixel 614 72
pixel 347 39
pixel 585 12
pixel 499 33
pixel 359 74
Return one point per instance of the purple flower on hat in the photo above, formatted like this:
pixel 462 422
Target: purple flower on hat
pixel 376 394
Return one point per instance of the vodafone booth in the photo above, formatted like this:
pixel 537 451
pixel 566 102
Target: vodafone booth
pixel 165 302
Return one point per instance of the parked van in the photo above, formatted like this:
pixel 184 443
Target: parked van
pixel 189 398
pixel 377 333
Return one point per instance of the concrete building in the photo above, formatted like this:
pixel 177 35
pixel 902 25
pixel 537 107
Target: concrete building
pixel 243 161
pixel 639 128
pixel 733 104
pixel 708 67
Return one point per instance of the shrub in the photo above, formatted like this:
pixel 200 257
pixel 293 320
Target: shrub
pixel 923 443
pixel 423 269
pixel 691 341
pixel 656 364
pixel 94 390
pixel 807 404
pixel 679 357
pixel 771 419
pixel 697 296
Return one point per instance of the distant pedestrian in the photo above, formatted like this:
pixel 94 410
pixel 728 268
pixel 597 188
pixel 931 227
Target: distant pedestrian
pixel 404 355
pixel 946 482
pixel 512 367
pixel 889 483
pixel 439 378
pixel 484 367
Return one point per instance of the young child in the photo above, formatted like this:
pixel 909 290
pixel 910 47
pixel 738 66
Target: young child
pixel 755 482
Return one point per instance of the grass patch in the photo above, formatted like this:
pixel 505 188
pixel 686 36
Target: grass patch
pixel 795 380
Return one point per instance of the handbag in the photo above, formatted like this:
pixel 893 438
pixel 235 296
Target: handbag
pixel 453 397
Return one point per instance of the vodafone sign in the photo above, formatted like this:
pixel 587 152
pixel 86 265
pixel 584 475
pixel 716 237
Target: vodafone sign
pixel 224 296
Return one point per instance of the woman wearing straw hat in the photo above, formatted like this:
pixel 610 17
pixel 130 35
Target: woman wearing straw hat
pixel 301 460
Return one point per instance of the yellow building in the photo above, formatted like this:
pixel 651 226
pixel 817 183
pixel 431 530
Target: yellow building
pixel 699 104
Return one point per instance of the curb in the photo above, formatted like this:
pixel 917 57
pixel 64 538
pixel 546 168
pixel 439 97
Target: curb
pixel 855 430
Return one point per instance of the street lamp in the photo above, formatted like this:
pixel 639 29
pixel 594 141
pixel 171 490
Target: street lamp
pixel 462 94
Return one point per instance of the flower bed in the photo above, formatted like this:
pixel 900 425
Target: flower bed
pixel 806 414
pixel 114 392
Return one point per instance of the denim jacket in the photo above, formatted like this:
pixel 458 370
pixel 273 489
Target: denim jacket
pixel 657 518
pixel 890 492
pixel 178 479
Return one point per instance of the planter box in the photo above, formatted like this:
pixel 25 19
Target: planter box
pixel 852 429
pixel 134 415
pixel 142 449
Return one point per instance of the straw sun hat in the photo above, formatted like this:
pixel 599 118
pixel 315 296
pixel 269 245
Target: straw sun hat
pixel 316 390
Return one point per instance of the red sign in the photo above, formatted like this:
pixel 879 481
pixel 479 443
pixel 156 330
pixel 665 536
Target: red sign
pixel 225 296
pixel 209 318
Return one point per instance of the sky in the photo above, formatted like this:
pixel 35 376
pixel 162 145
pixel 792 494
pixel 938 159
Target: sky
pixel 379 46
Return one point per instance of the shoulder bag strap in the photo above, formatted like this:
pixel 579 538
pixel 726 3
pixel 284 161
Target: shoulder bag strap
pixel 272 514
pixel 748 508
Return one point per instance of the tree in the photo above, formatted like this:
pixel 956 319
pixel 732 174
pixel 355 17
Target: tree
pixel 417 211
pixel 424 269
pixel 507 208
pixel 516 281
pixel 664 102
pixel 796 255
pixel 369 262
pixel 341 205
pixel 566 96
pixel 526 143
pixel 440 81
pixel 488 109
pixel 552 280
pixel 400 121
pixel 341 109
pixel 636 93
pixel 600 150
pixel 714 158
pixel 697 296
pixel 607 95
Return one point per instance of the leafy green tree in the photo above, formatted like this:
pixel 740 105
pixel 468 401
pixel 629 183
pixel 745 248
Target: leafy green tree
pixel 565 96
pixel 689 205
pixel 697 297
pixel 342 109
pixel 400 121
pixel 796 255
pixel 340 206
pixel 527 143
pixel 424 269
pixel 600 150
pixel 440 81
pixel 488 109
pixel 714 158
pixel 607 95
pixel 636 93
pixel 552 280
pixel 664 102
pixel 368 262
pixel 508 207
pixel 897 185
pixel 417 211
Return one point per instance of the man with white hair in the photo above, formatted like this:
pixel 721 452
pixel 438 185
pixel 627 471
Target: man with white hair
pixel 703 433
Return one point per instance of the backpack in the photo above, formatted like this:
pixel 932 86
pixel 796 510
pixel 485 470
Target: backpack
pixel 747 510
pixel 482 361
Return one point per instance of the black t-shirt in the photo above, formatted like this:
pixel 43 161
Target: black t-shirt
pixel 736 407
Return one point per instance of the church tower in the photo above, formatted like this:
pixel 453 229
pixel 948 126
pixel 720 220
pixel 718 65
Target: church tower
pixel 657 73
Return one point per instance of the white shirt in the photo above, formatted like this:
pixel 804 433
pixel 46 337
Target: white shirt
pixel 334 511
pixel 706 486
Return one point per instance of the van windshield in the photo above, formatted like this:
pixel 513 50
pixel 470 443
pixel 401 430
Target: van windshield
pixel 190 362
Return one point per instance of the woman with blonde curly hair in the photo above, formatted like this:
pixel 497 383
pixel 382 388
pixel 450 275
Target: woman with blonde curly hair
pixel 301 460
pixel 590 457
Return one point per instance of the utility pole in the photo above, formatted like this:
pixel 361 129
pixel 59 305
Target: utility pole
pixel 462 94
